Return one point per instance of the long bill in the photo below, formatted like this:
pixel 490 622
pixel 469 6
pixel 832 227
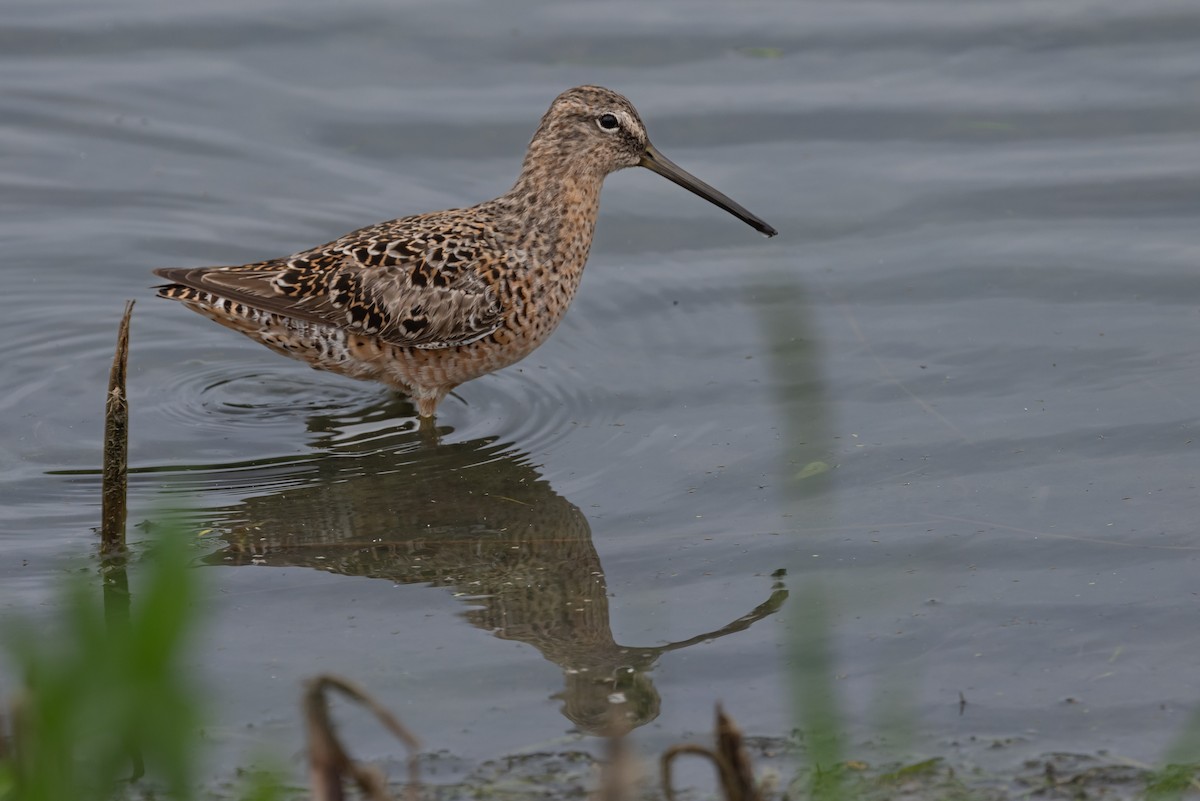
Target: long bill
pixel 657 162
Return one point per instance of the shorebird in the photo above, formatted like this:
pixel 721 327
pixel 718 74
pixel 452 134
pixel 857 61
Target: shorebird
pixel 427 302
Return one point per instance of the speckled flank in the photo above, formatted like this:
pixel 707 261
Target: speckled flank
pixel 425 303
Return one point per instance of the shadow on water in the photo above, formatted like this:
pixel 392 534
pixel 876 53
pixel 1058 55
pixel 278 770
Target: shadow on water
pixel 399 503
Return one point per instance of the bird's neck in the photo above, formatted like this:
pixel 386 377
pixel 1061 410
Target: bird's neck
pixel 554 203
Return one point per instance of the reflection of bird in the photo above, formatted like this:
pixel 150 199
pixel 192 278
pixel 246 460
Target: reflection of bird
pixel 425 303
pixel 476 518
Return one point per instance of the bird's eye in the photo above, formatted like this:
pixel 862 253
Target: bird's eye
pixel 608 122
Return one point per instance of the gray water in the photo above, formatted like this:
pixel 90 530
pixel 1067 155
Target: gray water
pixel 955 396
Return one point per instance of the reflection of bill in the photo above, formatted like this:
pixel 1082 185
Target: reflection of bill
pixel 476 518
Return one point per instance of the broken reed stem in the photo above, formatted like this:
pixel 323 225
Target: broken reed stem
pixel 329 764
pixel 116 445
pixel 732 763
pixel 739 782
pixel 667 760
pixel 619 775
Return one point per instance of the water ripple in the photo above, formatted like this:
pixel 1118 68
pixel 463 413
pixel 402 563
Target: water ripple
pixel 247 390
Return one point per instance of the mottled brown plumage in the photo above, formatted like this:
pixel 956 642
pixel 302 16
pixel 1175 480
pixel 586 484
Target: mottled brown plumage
pixel 425 303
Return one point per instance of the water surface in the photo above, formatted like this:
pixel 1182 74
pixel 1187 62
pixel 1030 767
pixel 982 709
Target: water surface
pixel 956 394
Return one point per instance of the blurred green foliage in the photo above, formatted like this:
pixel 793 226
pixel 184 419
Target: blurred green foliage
pixel 815 691
pixel 103 693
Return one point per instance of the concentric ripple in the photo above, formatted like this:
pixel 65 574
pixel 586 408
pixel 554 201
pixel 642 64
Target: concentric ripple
pixel 244 390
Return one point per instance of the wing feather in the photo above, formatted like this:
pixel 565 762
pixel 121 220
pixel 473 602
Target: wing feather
pixel 427 281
